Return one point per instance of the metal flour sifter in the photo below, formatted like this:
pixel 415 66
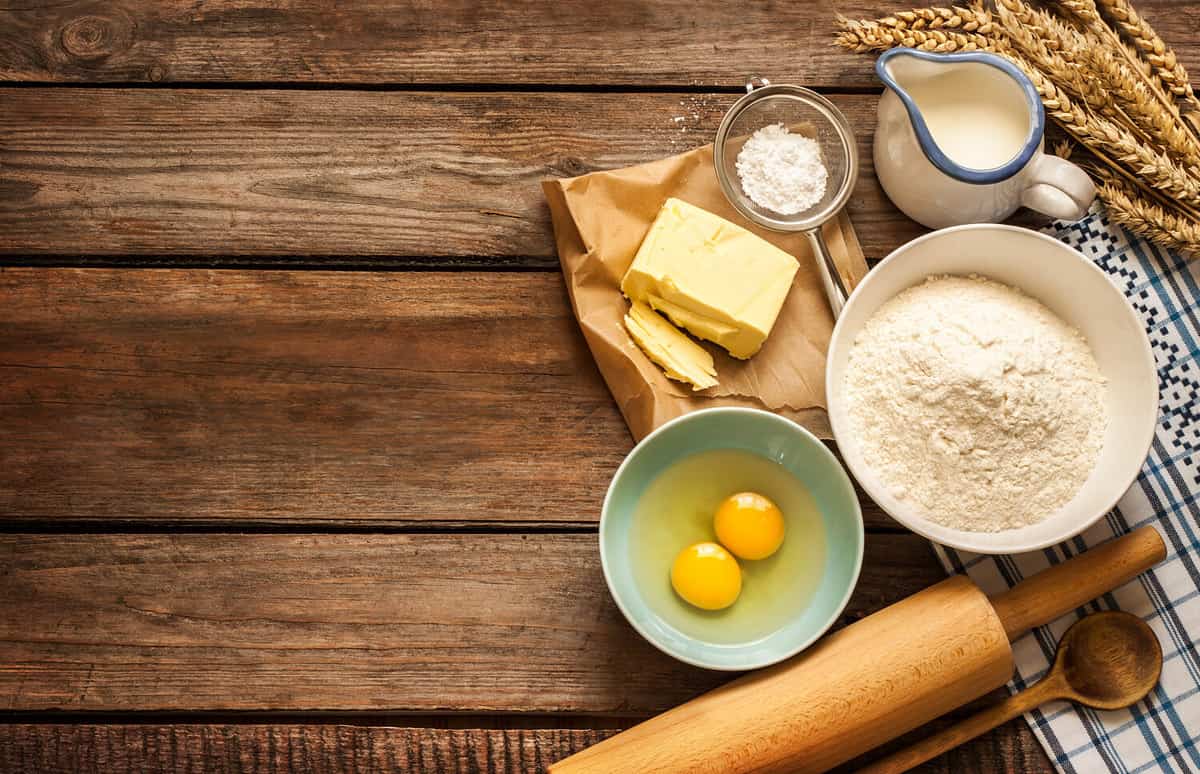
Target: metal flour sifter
pixel 802 111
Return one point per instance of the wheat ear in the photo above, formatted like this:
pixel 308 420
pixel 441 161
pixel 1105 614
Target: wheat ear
pixel 862 36
pixel 1131 99
pixel 966 19
pixel 1129 208
pixel 1088 12
pixel 1035 28
pixel 1113 142
pixel 1166 66
pixel 1053 47
pixel 1158 170
pixel 1084 10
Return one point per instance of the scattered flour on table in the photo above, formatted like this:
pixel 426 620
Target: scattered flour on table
pixel 975 403
pixel 782 171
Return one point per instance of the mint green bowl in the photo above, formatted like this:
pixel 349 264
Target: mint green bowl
pixel 779 440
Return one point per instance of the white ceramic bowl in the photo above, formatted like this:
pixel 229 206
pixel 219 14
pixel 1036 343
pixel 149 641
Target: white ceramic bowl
pixel 1075 289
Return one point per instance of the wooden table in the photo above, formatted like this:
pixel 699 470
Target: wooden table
pixel 301 452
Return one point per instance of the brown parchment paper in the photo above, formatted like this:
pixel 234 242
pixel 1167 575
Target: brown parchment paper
pixel 600 220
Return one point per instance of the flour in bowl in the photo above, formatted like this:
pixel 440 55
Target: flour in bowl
pixel 975 404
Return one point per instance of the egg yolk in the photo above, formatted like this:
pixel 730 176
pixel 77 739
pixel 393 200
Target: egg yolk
pixel 749 525
pixel 707 576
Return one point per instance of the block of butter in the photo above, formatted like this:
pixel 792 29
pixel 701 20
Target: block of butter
pixel 714 278
pixel 681 358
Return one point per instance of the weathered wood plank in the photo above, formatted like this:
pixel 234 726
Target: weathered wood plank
pixel 201 396
pixel 528 41
pixel 300 749
pixel 341 176
pixel 334 749
pixel 430 622
pixel 668 42
pixel 1012 749
pixel 341 749
pixel 323 397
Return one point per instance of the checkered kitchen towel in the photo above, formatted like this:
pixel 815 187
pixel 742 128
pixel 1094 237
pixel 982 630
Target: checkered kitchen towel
pixel 1161 733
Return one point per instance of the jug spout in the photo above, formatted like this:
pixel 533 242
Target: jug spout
pixel 901 68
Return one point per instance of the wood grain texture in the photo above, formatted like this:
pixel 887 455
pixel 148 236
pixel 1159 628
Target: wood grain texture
pixel 347 398
pixel 339 176
pixel 417 41
pixel 258 749
pixel 428 622
pixel 332 749
pixel 667 42
pixel 327 397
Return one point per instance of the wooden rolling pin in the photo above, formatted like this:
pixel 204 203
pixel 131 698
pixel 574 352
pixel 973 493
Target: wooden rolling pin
pixel 869 682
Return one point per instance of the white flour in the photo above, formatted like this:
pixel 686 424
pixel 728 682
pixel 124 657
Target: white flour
pixel 975 403
pixel 782 171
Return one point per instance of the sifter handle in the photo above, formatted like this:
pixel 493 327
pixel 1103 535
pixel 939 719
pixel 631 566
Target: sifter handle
pixel 1064 587
pixel 831 279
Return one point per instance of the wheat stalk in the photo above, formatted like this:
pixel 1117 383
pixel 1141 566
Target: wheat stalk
pixel 1111 85
pixel 1103 167
pixel 1088 13
pixel 1056 48
pixel 1039 29
pixel 973 19
pixel 1166 66
pixel 1053 47
pixel 1113 92
pixel 1131 98
pixel 1030 32
pixel 879 35
pixel 1127 207
pixel 1146 165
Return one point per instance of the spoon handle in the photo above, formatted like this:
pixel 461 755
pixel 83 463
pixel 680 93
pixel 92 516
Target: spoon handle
pixel 965 730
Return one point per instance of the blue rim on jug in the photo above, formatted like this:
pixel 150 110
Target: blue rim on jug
pixel 925 138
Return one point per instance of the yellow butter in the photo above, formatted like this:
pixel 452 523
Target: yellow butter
pixel 716 279
pixel 680 358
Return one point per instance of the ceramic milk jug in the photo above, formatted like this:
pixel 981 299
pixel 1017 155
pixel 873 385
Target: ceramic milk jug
pixel 959 140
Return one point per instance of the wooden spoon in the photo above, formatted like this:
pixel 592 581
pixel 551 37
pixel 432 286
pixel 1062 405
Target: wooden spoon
pixel 1105 661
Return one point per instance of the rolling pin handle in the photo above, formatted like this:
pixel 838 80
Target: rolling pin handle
pixel 1072 584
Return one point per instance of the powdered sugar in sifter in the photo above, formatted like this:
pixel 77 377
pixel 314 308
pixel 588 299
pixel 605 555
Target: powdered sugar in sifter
pixel 801 111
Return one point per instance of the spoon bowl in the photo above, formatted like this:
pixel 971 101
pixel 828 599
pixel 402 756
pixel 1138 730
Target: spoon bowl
pixel 1109 660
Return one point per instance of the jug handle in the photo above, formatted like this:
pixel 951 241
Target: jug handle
pixel 1059 189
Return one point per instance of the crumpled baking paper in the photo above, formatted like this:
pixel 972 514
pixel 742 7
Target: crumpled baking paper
pixel 600 220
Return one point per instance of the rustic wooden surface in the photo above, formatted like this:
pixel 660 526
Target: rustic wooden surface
pixel 247 749
pixel 249 405
pixel 276 517
pixel 424 622
pixel 344 176
pixel 528 42
pixel 253 748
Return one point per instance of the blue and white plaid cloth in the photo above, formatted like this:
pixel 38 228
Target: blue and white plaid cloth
pixel 1161 732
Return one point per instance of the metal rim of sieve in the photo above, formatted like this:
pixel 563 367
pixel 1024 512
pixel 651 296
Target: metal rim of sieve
pixel 759 89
